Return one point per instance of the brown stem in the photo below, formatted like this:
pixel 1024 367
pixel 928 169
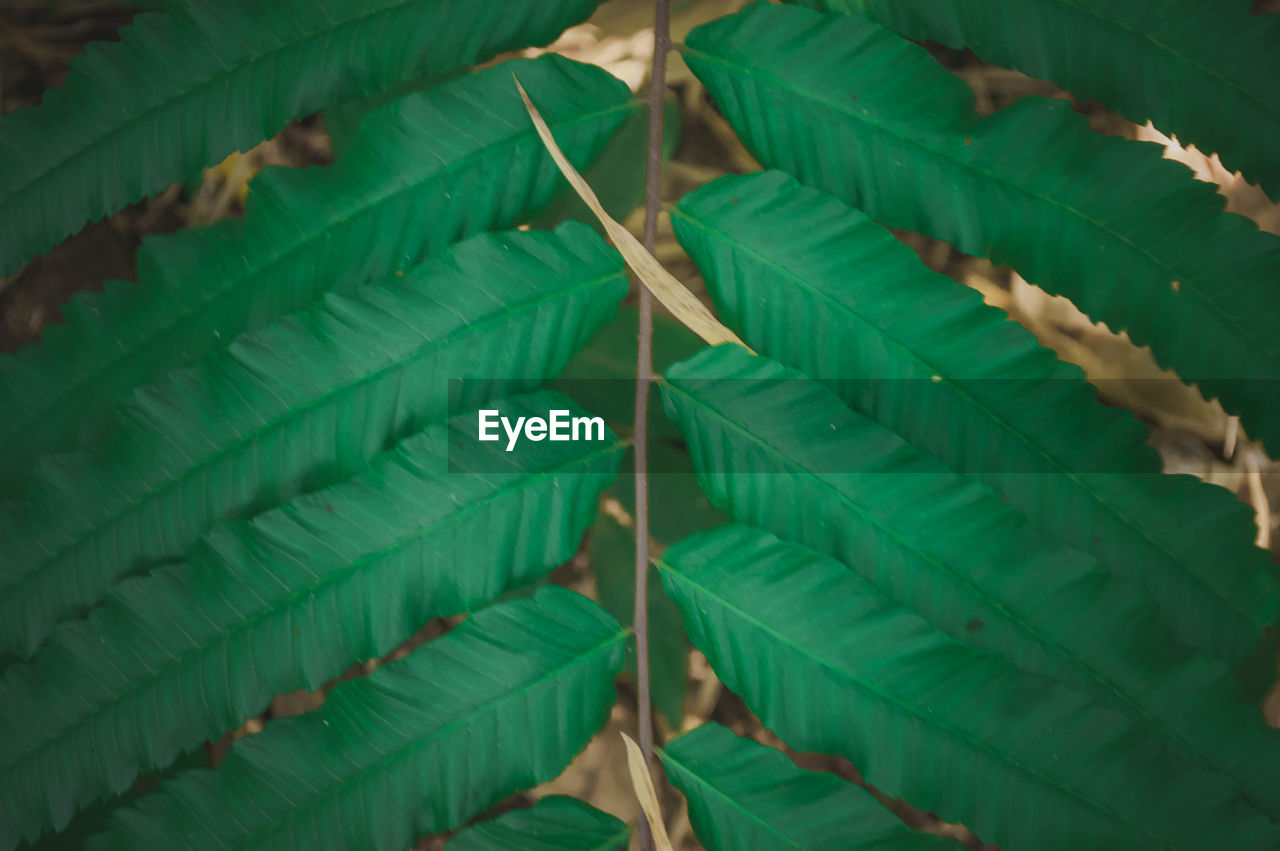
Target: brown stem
pixel 644 378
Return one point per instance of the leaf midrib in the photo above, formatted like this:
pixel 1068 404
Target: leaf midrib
pixel 1120 695
pixel 525 481
pixel 1231 83
pixel 1050 459
pixel 222 72
pixel 927 718
pixel 1193 286
pixel 174 323
pixel 584 659
pixel 1238 86
pixel 731 801
pixel 506 313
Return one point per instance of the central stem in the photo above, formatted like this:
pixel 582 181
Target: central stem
pixel 644 378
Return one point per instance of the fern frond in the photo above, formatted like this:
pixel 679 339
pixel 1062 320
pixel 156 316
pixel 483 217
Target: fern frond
pixel 1129 237
pixel 287 601
pixel 744 796
pixel 880 326
pixel 1209 73
pixel 423 172
pixel 141 106
pixel 763 436
pixel 830 665
pixel 556 823
pixel 501 703
pixel 296 406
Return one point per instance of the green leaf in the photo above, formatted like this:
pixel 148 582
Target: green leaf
pixel 1129 237
pixel 1207 72
pixel 880 326
pixel 831 666
pixel 93 819
pixel 183 90
pixel 744 796
pixel 782 453
pixel 556 823
pixel 296 406
pixel 422 173
pixel 342 120
pixel 500 704
pixel 288 601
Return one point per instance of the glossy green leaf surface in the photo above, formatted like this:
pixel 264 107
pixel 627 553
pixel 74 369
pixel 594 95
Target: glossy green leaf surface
pixel 141 105
pixel 422 173
pixel 555 823
pixel 298 405
pixel 500 704
pixel 880 326
pixel 1207 72
pixel 342 119
pixel 831 666
pixel 744 796
pixel 93 819
pixel 1131 238
pixel 764 437
pixel 286 601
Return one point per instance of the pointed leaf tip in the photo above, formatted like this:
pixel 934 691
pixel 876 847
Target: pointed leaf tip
pixel 642 782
